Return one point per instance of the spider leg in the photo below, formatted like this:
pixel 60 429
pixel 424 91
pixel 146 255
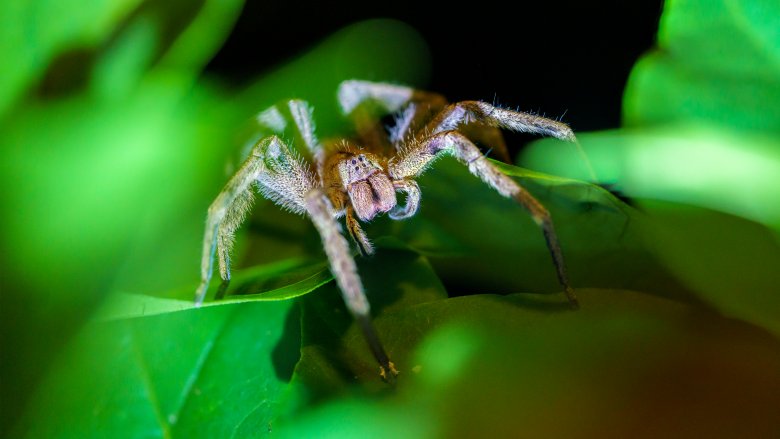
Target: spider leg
pixel 224 216
pixel 487 135
pixel 274 121
pixel 357 233
pixel 345 271
pixel 285 178
pixel 362 100
pixel 412 191
pixel 413 161
pixel 414 108
pixel 390 97
pixel 456 115
pixel 280 176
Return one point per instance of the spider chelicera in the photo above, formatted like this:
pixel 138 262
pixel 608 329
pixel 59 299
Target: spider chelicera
pixel 357 179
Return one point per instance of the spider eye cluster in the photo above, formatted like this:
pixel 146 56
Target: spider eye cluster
pixel 360 158
pixel 359 168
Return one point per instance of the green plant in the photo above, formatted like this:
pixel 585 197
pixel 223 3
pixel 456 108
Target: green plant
pixel 678 331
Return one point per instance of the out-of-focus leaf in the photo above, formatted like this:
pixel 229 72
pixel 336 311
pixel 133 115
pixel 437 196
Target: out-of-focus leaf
pixel 110 44
pixel 32 33
pixel 94 183
pixel 733 172
pixel 728 262
pixel 718 61
pixel 507 366
pixel 214 372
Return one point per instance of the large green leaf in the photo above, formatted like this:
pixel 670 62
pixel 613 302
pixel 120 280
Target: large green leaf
pixel 507 366
pixel 481 242
pixel 718 61
pixel 215 372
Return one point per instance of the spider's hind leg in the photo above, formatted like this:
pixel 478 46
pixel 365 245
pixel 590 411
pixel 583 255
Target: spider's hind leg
pixel 366 102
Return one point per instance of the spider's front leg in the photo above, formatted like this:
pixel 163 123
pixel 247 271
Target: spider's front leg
pixel 413 161
pixel 285 178
pixel 224 216
pixel 280 175
pixel 345 271
pixel 459 114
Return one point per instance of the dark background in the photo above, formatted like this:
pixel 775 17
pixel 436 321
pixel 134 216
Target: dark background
pixel 557 58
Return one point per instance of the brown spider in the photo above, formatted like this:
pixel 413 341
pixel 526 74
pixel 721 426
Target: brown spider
pixel 358 178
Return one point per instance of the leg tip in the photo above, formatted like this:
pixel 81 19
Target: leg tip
pixel 573 302
pixel 388 375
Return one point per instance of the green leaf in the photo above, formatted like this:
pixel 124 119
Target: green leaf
pixel 32 33
pixel 737 173
pixel 481 242
pixel 279 281
pixel 729 262
pixel 717 62
pixel 214 372
pixel 724 260
pixel 334 353
pixel 502 366
pixel 110 45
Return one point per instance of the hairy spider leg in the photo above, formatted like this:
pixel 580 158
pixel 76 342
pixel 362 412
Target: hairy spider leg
pixel 413 109
pixel 280 176
pixel 273 120
pixel 345 271
pixel 359 101
pixel 284 178
pixel 229 204
pixel 356 232
pixel 469 113
pixel 412 191
pixel 413 161
pixel 461 113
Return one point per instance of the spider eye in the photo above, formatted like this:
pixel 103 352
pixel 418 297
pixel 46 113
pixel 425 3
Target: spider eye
pixel 361 158
pixel 354 161
pixel 357 168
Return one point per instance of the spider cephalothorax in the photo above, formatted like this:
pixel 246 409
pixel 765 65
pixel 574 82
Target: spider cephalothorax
pixel 358 178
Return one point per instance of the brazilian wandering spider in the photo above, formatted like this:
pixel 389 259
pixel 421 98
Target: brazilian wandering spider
pixel 357 179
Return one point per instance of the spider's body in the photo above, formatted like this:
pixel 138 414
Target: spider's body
pixel 358 180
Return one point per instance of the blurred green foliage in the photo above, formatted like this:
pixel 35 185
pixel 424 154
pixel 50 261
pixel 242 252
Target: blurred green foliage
pixel 113 144
pixel 701 152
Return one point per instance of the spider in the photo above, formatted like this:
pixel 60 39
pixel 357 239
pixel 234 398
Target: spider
pixel 357 179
